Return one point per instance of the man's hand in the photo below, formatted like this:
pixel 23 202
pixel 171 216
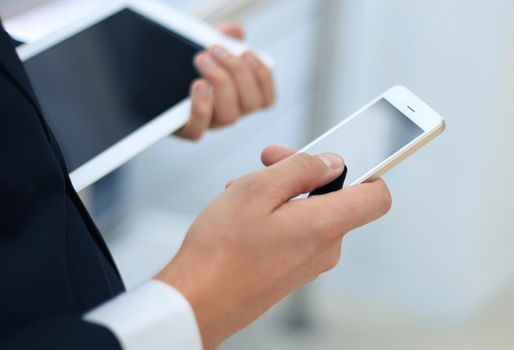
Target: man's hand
pixel 231 86
pixel 254 245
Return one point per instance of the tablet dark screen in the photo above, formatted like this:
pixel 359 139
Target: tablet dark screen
pixel 100 85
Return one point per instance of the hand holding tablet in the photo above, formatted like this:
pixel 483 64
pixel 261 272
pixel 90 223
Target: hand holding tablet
pixel 231 86
pixel 115 83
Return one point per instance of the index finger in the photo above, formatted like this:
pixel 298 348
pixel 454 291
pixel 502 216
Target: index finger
pixel 337 213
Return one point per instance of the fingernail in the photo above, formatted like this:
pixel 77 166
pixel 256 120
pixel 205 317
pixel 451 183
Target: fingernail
pixel 202 90
pixel 205 62
pixel 331 160
pixel 219 52
pixel 251 60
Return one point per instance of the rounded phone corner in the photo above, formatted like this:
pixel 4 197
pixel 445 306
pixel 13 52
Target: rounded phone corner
pixel 398 88
pixel 443 125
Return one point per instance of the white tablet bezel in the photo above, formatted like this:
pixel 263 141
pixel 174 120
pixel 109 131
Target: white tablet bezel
pixel 413 108
pixel 164 124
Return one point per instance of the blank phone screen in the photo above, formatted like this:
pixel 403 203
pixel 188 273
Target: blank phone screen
pixel 369 138
pixel 105 82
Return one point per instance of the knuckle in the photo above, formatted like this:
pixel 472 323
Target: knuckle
pixel 221 79
pixel 235 65
pixel 325 232
pixel 312 278
pixel 323 225
pixel 304 162
pixel 266 79
pixel 331 260
pixel 270 101
pixel 264 75
pixel 226 119
pixel 201 110
pixel 333 229
pixel 309 167
pixel 252 104
pixel 196 135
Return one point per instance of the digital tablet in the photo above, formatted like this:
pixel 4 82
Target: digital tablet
pixel 117 82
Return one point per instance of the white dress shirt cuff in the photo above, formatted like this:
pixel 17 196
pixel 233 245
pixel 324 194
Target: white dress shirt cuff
pixel 153 316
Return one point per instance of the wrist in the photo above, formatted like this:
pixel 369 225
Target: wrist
pixel 202 300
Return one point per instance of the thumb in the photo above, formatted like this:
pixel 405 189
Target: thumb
pixel 232 29
pixel 300 173
pixel 271 155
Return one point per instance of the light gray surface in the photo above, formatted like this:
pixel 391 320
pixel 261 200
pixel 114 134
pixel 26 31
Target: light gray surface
pixel 445 249
pixel 10 8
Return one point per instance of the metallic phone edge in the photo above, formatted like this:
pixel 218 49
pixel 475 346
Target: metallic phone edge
pixel 408 152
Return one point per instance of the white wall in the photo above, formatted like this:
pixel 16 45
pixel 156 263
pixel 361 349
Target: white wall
pixel 447 245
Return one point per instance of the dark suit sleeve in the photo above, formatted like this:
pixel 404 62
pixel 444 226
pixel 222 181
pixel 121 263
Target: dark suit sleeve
pixel 60 333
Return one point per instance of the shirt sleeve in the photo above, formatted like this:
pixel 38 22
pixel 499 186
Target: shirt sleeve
pixel 153 316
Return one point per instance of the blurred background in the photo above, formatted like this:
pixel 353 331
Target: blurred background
pixel 438 272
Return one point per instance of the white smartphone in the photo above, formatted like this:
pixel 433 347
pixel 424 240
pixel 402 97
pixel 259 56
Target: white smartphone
pixel 380 135
pixel 117 81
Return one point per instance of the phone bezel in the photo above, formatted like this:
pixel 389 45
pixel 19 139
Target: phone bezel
pixel 419 112
pixel 429 120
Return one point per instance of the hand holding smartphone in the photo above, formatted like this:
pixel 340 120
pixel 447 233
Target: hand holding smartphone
pixel 379 136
